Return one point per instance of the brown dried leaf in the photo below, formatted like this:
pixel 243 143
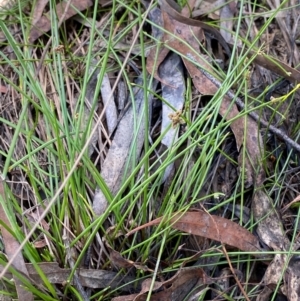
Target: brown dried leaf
pixel 210 226
pixel 118 260
pixel 260 58
pixel 157 55
pixel 44 23
pixel 275 65
pixel 38 10
pixel 154 59
pixel 177 283
pixel 40 243
pixel 181 278
pixel 178 32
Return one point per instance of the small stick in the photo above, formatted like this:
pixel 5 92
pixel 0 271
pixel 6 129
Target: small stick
pixel 255 116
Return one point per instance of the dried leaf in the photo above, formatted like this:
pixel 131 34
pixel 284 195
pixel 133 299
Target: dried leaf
pixel 293 275
pixel 91 278
pixel 38 10
pixel 226 21
pixel 270 230
pixel 178 281
pixel 171 71
pixel 260 58
pixel 109 103
pixel 118 260
pixel 113 168
pixel 43 25
pixel 205 86
pixel 210 226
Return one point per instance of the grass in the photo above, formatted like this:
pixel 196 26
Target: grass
pixel 44 149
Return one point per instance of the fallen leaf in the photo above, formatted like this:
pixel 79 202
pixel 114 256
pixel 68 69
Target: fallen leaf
pixel 91 278
pixel 171 71
pixel 241 126
pixel 43 25
pixel 227 12
pixel 175 33
pixel 210 226
pixel 270 230
pixel 38 10
pixel 109 104
pixel 119 153
pixel 183 277
pixel 118 260
pixel 293 275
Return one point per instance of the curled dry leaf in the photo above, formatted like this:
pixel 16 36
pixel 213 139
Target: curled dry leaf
pixel 270 228
pixel 38 10
pixel 118 260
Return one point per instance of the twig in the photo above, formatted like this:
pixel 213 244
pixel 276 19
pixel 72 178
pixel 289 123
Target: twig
pixel 255 116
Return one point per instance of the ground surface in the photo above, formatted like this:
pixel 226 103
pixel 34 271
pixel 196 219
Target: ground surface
pixel 149 150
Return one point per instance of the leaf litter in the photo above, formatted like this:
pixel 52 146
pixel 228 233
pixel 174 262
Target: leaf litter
pixel 119 131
